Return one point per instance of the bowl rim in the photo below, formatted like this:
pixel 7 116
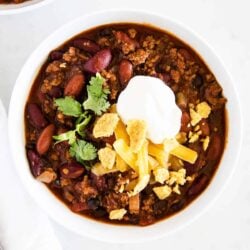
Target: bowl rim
pixel 109 232
pixel 11 9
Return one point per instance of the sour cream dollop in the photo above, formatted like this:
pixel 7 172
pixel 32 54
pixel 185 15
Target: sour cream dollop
pixel 150 99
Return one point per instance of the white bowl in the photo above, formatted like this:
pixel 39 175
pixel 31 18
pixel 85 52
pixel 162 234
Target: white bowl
pixel 8 9
pixel 55 208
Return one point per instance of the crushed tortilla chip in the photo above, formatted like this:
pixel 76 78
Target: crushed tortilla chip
pixel 161 175
pixel 176 189
pixel 117 214
pixel 162 192
pixel 107 157
pixel 206 143
pixel 195 117
pixel 203 109
pixel 177 177
pixel 105 125
pixel 194 137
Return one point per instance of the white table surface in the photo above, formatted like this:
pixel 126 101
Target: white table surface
pixel 225 25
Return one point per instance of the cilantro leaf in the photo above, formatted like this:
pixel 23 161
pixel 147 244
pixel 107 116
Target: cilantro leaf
pixel 68 136
pixel 69 106
pixel 83 151
pixel 97 95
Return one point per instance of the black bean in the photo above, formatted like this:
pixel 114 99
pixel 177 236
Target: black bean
pixel 160 207
pixel 198 81
pixel 106 32
pixel 100 212
pixel 93 204
pixel 178 206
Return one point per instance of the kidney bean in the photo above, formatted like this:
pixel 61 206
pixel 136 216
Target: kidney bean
pixel 185 54
pixel 45 139
pixel 185 119
pixel 35 116
pixel 55 92
pixel 198 81
pixel 124 38
pixel 36 163
pixel 99 182
pixel 41 96
pixel 56 55
pixel 204 127
pixel 79 206
pixel 215 147
pixel 177 206
pixel 86 44
pixel 99 61
pixel 190 168
pixel 198 185
pixel 194 168
pixel 71 170
pixel 74 85
pixel 125 72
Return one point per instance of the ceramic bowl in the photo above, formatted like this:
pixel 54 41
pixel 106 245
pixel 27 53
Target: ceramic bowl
pixel 9 9
pixel 92 228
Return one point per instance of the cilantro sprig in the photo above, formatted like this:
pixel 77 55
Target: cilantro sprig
pixel 97 95
pixel 97 101
pixel 83 151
